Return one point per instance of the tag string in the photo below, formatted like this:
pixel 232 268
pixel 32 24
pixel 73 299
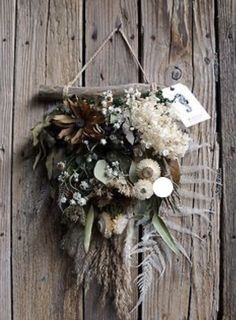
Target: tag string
pixel 105 41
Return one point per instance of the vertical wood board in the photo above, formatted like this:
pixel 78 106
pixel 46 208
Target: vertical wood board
pixel 7 39
pixel 227 61
pixel 205 254
pixel 48 50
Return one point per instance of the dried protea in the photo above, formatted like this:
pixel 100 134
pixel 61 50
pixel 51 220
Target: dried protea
pixel 148 169
pixel 83 122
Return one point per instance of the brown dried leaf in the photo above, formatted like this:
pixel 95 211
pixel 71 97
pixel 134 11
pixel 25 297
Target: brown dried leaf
pixel 174 170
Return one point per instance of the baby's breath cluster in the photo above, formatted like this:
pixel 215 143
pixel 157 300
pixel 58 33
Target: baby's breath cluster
pixel 158 128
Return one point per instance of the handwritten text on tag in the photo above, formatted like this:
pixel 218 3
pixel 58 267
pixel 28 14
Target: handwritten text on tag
pixel 188 108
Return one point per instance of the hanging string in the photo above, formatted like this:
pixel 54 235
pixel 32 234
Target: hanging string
pixel 134 55
pixel 105 41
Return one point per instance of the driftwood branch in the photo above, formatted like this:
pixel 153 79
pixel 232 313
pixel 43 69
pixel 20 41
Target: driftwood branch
pixel 56 93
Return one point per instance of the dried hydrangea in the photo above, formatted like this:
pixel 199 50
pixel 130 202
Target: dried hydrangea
pixel 148 169
pixel 158 129
pixel 143 189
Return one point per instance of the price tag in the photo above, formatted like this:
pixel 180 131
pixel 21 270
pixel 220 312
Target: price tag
pixel 187 107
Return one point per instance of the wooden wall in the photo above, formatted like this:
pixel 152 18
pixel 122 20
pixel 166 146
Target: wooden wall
pixel 47 42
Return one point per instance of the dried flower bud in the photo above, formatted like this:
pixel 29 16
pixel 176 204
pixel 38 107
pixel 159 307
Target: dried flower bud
pixel 61 166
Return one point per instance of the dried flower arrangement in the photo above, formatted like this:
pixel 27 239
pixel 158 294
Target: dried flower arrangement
pixel 114 165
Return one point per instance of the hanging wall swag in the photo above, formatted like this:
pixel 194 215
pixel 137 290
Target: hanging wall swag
pixel 113 161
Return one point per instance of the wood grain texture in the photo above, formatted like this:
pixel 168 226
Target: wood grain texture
pixel 48 50
pixel 167 42
pixel 179 44
pixel 113 66
pixel 204 302
pixel 7 39
pixel 227 60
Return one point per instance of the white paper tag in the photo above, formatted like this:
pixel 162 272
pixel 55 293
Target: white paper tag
pixel 188 108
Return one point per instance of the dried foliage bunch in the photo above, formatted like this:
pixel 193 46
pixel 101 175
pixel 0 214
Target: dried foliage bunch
pixel 113 163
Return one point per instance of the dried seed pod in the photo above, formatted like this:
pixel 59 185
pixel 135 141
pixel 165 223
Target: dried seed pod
pixel 120 223
pixel 105 225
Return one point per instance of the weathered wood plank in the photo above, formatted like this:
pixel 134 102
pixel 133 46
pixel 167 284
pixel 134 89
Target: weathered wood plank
pixel 48 50
pixel 7 39
pixel 227 60
pixel 205 255
pixel 167 42
pixel 113 66
pixel 176 53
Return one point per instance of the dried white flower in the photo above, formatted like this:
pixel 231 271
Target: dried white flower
pixel 148 169
pixel 84 185
pixel 89 159
pixel 132 94
pixel 103 141
pixel 63 199
pixel 108 96
pixel 159 130
pixel 66 174
pixel 61 178
pixel 77 196
pixel 104 104
pixel 118 110
pixel 117 125
pixel 82 202
pixel 72 202
pixel 143 189
pixel 115 164
pixel 76 176
pixel 165 153
pixel 122 186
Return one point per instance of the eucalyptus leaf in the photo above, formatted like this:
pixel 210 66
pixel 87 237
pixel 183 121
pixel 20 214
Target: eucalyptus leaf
pixel 36 131
pixel 132 172
pixel 56 155
pixel 128 133
pixel 99 171
pixel 49 164
pixel 37 158
pixel 165 234
pixel 48 139
pixel 88 228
